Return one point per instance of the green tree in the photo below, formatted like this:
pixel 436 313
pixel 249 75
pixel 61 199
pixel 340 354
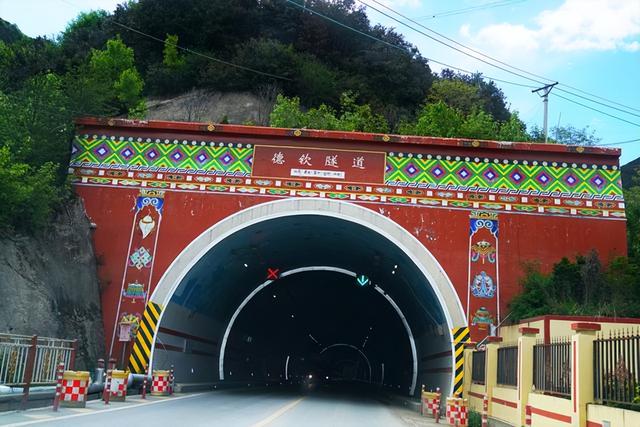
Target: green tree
pixel 360 117
pixel 113 71
pixel 456 94
pixel 170 54
pixel 513 129
pixel 439 120
pixel 569 135
pixel 478 125
pixel 286 113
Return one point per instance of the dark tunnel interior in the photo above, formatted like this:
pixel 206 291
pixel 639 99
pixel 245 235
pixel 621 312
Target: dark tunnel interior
pixel 306 296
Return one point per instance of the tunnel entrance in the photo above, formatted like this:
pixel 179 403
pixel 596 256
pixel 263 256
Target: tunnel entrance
pixel 307 295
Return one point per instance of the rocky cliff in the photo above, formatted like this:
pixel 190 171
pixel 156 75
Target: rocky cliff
pixel 49 286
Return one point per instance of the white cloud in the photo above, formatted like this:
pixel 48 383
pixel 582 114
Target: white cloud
pixel 577 25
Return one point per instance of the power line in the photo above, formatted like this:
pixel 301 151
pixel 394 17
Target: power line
pixel 444 43
pixel 485 6
pixel 620 142
pixel 595 109
pixel 494 59
pixel 193 52
pixel 400 48
pixel 231 64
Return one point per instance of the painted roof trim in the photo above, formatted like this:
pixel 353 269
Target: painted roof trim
pixel 358 137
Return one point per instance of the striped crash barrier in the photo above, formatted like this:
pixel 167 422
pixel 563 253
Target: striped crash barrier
pixel 74 389
pixel 457 412
pixel 430 403
pixel 160 384
pixel 118 388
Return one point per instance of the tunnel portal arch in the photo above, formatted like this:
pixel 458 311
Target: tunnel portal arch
pixel 425 262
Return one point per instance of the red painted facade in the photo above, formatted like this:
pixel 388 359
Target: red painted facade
pixel 443 229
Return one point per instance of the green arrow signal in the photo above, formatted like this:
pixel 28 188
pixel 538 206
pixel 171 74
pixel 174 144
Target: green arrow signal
pixel 363 280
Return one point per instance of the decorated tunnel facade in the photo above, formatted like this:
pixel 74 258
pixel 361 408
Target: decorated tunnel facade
pixel 481 208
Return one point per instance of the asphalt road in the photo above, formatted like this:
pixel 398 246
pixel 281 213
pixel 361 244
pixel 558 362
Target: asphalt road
pixel 242 408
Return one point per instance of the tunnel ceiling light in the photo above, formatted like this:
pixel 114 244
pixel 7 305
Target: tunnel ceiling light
pixel 395 266
pixel 245 265
pixel 274 295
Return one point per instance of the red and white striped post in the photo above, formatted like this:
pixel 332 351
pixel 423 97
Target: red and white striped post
pixel 59 374
pixel 171 379
pixel 485 411
pixel 144 382
pixel 527 415
pixel 437 403
pixel 106 395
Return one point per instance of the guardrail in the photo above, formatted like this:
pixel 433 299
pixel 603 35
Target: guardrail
pixel 616 368
pixel 30 360
pixel 477 366
pixel 552 368
pixel 508 365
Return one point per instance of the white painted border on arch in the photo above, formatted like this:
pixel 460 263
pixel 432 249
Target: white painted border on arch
pixel 396 234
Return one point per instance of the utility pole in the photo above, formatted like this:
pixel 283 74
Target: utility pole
pixel 544 94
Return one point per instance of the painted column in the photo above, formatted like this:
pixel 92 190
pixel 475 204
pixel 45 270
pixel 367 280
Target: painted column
pixel 138 270
pixel 491 368
pixel 582 370
pixel 483 293
pixel 525 368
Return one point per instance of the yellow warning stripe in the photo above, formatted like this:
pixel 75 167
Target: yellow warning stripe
pixel 460 336
pixel 141 352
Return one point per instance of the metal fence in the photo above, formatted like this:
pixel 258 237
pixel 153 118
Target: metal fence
pixel 616 368
pixel 33 360
pixel 552 368
pixel 508 365
pixel 478 359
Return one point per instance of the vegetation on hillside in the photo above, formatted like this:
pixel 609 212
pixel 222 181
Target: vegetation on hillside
pixel 586 285
pixel 327 77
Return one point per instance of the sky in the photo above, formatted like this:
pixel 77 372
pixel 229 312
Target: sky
pixel 587 45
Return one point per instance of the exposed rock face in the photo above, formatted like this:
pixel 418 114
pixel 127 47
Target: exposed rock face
pixel 49 285
pixel 209 106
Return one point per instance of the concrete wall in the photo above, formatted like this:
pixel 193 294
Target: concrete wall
pixel 598 415
pixel 504 405
pixel 549 411
pixel 189 341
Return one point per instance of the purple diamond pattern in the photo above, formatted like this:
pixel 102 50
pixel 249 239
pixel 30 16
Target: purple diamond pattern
pixel 151 154
pixel 411 169
pixel 127 153
pixel 226 159
pixel 516 176
pixel 464 173
pixel 249 160
pixel 598 181
pixel 102 151
pixel 177 155
pixel 490 175
pixel 543 178
pixel 571 180
pixel 437 172
pixel 202 157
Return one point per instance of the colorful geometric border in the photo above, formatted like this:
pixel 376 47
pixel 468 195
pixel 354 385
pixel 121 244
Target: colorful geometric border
pixel 506 175
pixel 402 170
pixel 593 206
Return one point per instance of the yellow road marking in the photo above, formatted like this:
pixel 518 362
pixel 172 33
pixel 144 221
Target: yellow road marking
pixel 277 414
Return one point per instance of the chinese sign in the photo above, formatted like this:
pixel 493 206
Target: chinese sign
pixel 322 164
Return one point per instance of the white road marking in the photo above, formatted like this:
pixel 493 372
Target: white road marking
pixel 278 413
pixel 102 411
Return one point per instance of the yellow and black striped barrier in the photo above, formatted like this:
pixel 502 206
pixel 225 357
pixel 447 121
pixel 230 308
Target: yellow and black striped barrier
pixel 141 352
pixel 460 336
